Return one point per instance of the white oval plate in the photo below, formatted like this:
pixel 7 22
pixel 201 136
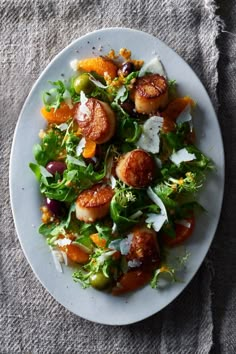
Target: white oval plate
pixel 25 198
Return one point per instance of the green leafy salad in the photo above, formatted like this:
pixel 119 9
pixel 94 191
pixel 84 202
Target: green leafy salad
pixel 119 172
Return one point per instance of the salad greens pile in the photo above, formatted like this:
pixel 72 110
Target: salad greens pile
pixel 165 206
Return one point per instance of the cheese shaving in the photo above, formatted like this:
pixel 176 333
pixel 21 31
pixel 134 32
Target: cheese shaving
pixel 74 64
pixel 185 116
pixel 150 139
pixel 80 147
pixel 184 223
pixel 134 263
pixel 157 220
pixel 182 156
pixel 154 66
pixel 84 111
pixel 63 242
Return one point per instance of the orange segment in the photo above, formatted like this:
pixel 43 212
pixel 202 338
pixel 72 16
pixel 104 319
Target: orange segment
pixel 75 253
pixel 176 106
pixel 173 110
pixel 99 241
pixel 100 65
pixel 89 149
pixel 60 115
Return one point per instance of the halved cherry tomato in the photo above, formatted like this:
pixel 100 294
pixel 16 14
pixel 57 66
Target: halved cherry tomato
pixel 182 233
pixel 60 115
pixel 131 281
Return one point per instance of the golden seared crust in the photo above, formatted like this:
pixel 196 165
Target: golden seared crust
pixel 99 124
pixel 150 93
pixel 96 196
pixel 93 203
pixel 144 246
pixel 151 86
pixel 136 168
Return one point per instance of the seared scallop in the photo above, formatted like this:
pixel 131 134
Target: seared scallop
pixel 96 120
pixel 93 204
pixel 136 168
pixel 144 246
pixel 150 93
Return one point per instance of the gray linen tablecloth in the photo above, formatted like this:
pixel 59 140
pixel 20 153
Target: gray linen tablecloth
pixel 202 318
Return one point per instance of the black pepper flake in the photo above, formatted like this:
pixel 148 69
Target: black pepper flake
pixel 93 48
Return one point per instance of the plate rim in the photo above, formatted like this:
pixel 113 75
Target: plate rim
pixel 12 202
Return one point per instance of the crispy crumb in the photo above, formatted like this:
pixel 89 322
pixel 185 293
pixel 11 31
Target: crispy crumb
pixel 125 53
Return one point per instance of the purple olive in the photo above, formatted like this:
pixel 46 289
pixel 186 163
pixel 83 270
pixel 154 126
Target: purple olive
pixel 128 106
pixel 54 206
pixel 56 166
pixel 127 68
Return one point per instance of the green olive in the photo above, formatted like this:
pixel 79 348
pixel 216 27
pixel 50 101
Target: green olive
pixel 83 83
pixel 99 281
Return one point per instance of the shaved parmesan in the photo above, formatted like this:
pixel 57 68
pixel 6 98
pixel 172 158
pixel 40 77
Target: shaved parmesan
pixel 96 82
pixel 67 99
pixel 63 242
pixel 154 66
pixel 74 64
pixel 62 127
pixel 182 156
pixel 149 139
pixel 80 147
pixel 157 220
pixel 134 263
pixel 184 223
pixel 154 197
pixel 125 245
pixel 104 256
pixel 114 228
pixel 84 111
pixel 121 94
pixel 58 259
pixel 122 245
pixel 115 244
pixel 113 182
pixel 185 116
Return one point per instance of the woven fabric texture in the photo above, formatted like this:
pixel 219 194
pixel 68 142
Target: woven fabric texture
pixel 32 33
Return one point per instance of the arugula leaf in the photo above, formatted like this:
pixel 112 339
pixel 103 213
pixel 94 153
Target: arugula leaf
pixel 49 148
pixel 130 77
pixel 54 97
pixel 164 192
pixel 172 88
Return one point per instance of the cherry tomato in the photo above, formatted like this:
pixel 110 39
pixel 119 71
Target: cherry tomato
pixel 182 233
